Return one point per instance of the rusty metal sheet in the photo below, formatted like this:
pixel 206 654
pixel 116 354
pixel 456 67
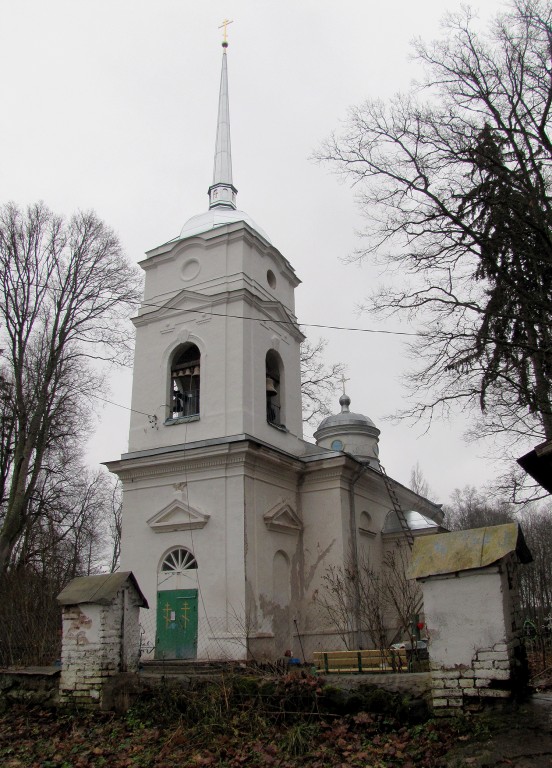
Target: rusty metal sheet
pixel 465 550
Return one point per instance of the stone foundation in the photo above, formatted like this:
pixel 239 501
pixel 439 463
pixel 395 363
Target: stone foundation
pixel 498 672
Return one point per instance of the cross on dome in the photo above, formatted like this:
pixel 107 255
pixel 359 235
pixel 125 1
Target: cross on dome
pixel 224 26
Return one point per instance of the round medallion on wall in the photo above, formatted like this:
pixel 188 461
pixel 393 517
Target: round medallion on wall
pixel 190 269
pixel 337 445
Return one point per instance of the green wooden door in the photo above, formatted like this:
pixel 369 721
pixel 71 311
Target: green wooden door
pixel 176 624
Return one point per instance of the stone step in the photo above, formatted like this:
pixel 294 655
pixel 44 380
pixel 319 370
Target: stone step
pixel 183 668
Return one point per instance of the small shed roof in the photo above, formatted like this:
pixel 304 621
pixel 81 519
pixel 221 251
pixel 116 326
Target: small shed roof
pixel 98 589
pixel 465 550
pixel 538 464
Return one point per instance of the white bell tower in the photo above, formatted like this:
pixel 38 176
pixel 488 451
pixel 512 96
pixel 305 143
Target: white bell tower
pixel 217 340
pixel 216 389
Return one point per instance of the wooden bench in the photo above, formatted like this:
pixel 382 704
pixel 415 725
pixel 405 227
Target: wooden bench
pixel 360 661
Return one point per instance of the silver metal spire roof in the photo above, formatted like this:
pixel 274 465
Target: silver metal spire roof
pixel 222 192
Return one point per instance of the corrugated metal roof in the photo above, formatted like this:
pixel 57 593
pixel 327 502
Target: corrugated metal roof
pixel 98 589
pixel 465 550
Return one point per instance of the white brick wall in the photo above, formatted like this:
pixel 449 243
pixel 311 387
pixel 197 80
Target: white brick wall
pixel 98 642
pixel 463 613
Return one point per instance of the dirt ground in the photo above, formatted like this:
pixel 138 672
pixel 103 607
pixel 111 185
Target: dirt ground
pixel 520 737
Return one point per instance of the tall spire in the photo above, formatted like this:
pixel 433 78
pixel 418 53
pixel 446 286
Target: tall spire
pixel 222 192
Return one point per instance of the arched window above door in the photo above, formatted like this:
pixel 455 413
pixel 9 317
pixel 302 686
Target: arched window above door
pixel 185 382
pixel 178 560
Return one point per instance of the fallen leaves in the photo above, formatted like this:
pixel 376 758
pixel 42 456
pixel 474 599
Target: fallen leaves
pixel 34 738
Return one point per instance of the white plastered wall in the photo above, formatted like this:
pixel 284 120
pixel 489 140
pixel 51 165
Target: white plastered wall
pixel 478 620
pixel 229 283
pixel 216 491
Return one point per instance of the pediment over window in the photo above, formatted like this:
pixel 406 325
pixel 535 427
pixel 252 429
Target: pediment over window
pixel 283 518
pixel 178 516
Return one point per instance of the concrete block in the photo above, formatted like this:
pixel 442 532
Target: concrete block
pixel 495 693
pixel 501 665
pixel 451 683
pixel 467 673
pixel 466 684
pixel 439 703
pixel 482 683
pixel 455 702
pixel 500 674
pixel 446 712
pixel 484 673
pixel 472 692
pixel 439 692
pixel 491 655
pixel 445 674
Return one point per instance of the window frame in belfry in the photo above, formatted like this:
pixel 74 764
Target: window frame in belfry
pixel 185 384
pixel 275 389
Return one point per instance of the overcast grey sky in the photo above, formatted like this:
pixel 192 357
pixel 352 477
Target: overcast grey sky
pixel 111 105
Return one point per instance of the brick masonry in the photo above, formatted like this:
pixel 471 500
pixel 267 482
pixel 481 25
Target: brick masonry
pixel 490 676
pixel 497 671
pixel 99 641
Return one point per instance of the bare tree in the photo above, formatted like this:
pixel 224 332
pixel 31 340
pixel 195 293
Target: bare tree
pixel 536 577
pixel 116 523
pixel 66 535
pixel 65 294
pixel 373 607
pixel 418 482
pixel 319 381
pixel 456 193
pixel 365 602
pixel 471 508
pixel 337 599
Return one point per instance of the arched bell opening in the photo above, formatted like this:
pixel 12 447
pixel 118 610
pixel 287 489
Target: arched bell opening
pixel 274 389
pixel 185 382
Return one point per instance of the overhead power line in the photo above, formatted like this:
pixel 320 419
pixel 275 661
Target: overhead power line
pixel 271 319
pixel 283 322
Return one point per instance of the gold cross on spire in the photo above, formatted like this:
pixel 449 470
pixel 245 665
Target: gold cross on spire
pixel 343 380
pixel 224 25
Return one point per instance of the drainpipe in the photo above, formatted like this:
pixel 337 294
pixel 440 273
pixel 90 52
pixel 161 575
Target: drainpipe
pixel 357 634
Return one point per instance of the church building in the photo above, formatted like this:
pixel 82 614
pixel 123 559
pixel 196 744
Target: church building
pixel 230 518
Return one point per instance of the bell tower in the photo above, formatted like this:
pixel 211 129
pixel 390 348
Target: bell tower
pixel 217 341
